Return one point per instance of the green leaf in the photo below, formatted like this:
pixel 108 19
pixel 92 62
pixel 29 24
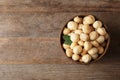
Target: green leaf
pixel 67 40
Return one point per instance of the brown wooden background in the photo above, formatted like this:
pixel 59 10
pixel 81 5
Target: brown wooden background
pixel 29 40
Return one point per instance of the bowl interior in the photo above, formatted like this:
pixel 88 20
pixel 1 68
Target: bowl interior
pixel 107 41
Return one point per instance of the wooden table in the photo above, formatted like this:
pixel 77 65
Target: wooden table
pixel 29 40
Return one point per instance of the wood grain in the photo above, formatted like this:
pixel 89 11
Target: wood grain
pixel 29 40
pixel 58 6
pixel 60 72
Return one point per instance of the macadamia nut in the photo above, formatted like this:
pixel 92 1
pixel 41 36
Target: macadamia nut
pixel 95 43
pixel 93 35
pixel 86 28
pixel 80 26
pixel 106 36
pixel 84 37
pixel 93 51
pixel 97 24
pixel 81 43
pixel 88 19
pixel 69 52
pixel 77 49
pixel 101 31
pixel 72 25
pixel 86 58
pixel 84 52
pixel 65 46
pixel 78 19
pixel 66 31
pixel 100 39
pixel 78 32
pixel 100 50
pixel 87 45
pixel 94 56
pixel 74 37
pixel 75 57
pixel 73 45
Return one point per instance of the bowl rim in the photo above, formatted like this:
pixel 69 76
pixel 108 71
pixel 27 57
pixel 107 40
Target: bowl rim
pixel 106 47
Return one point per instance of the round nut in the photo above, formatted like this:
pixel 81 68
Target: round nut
pixel 84 52
pixel 80 26
pixel 81 43
pixel 86 28
pixel 72 25
pixel 75 57
pixel 86 58
pixel 80 60
pixel 100 39
pixel 65 46
pixel 77 49
pixel 106 36
pixel 100 50
pixel 74 37
pixel 78 32
pixel 88 19
pixel 73 45
pixel 97 24
pixel 66 31
pixel 93 51
pixel 93 35
pixel 87 45
pixel 94 56
pixel 78 19
pixel 95 43
pixel 84 37
pixel 69 52
pixel 101 31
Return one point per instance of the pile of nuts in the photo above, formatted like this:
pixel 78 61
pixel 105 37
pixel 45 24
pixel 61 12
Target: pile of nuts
pixel 88 36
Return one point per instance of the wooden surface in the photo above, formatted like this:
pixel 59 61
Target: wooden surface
pixel 29 40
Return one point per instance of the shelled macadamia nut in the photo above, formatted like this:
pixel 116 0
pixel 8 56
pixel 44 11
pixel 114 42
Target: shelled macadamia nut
pixel 84 37
pixel 86 28
pixel 77 49
pixel 65 46
pixel 74 37
pixel 73 45
pixel 101 31
pixel 78 19
pixel 94 56
pixel 88 19
pixel 93 51
pixel 87 45
pixel 80 26
pixel 72 25
pixel 100 39
pixel 95 43
pixel 69 52
pixel 100 50
pixel 84 52
pixel 66 31
pixel 81 43
pixel 75 57
pixel 86 58
pixel 97 24
pixel 93 35
pixel 106 36
pixel 78 32
pixel 80 60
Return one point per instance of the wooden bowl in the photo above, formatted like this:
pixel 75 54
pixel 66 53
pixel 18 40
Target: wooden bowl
pixel 105 48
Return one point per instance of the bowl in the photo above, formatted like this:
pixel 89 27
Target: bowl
pixel 105 48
